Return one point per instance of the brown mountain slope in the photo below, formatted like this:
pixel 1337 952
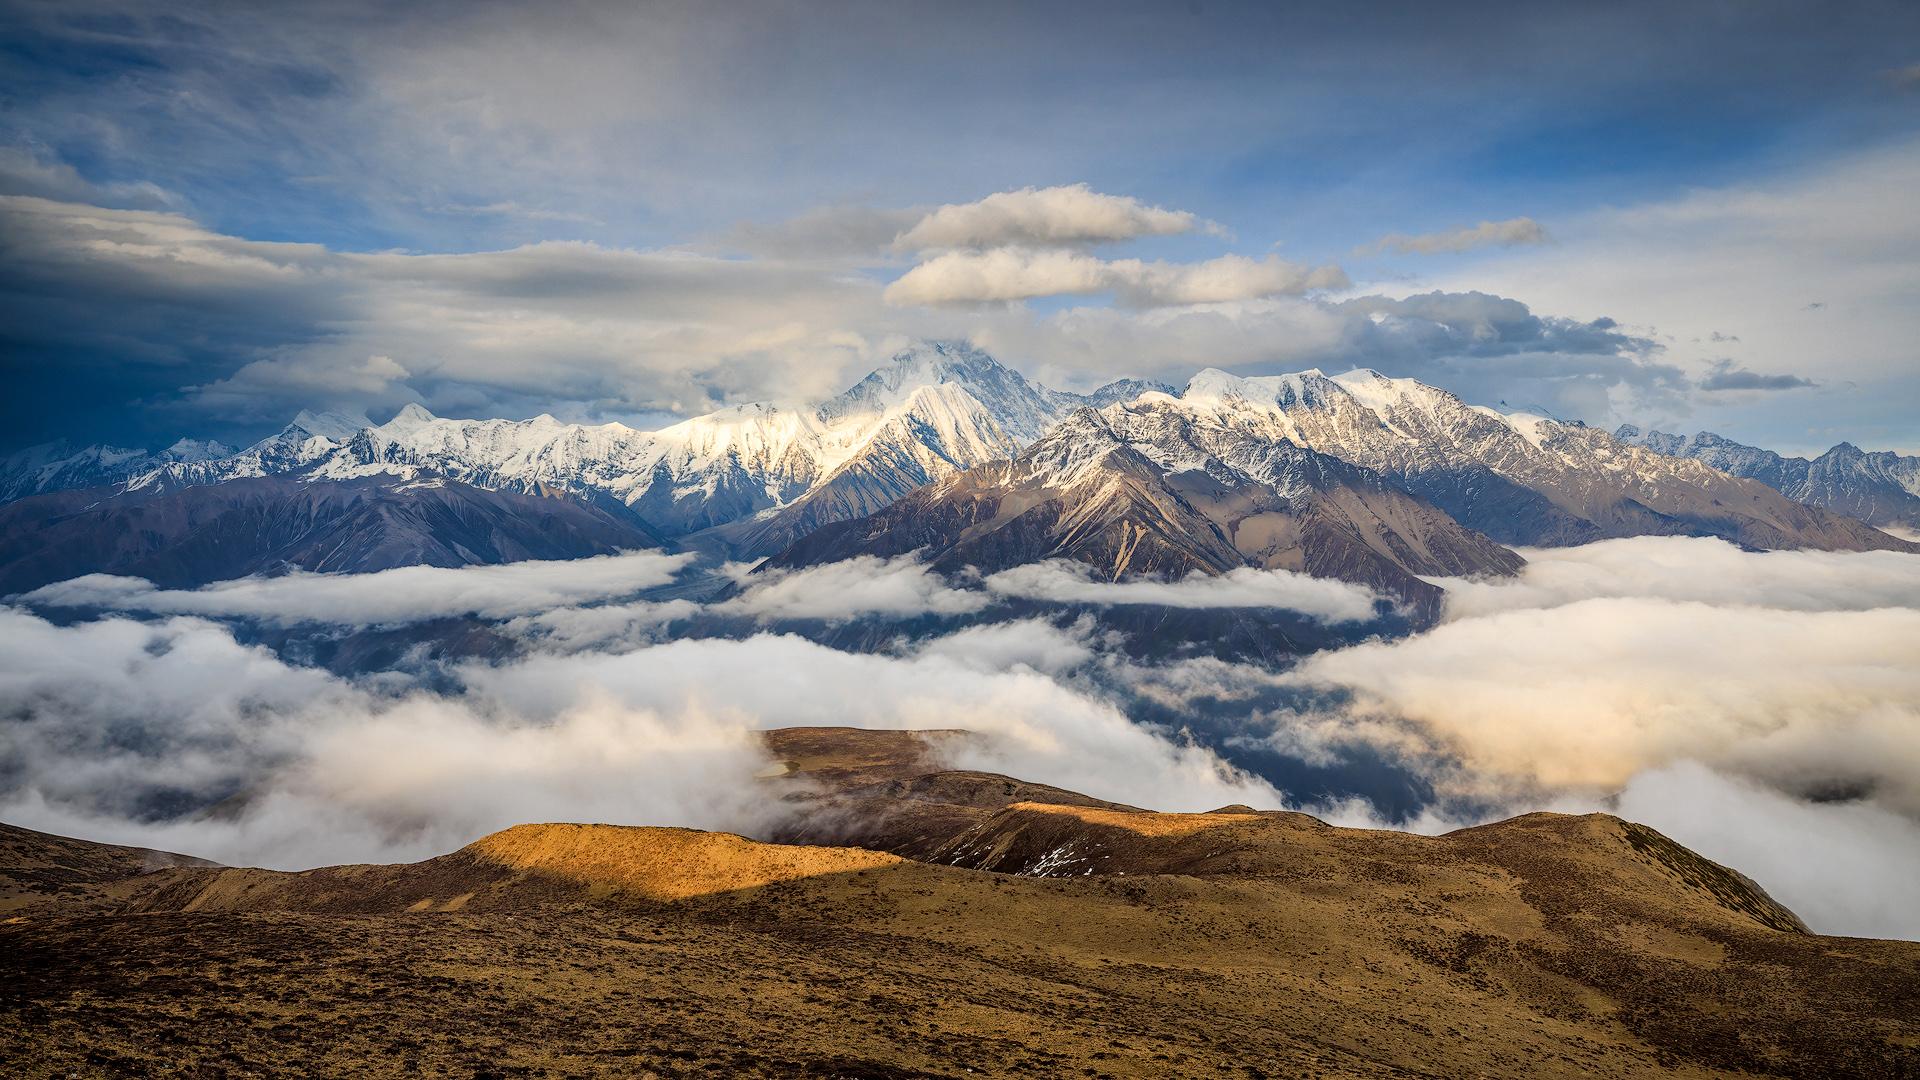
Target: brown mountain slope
pixel 36 866
pixel 1131 944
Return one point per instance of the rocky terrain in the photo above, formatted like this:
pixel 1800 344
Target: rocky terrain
pixel 1878 487
pixel 981 926
pixel 1134 489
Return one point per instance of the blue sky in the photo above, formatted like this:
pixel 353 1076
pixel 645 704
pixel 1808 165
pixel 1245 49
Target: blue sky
pixel 216 216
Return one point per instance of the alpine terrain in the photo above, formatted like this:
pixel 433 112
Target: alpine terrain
pixel 1879 488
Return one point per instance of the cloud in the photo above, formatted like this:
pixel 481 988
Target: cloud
pixel 250 332
pixel 1043 217
pixel 255 330
pixel 1745 258
pixel 1724 376
pixel 1509 233
pixel 826 232
pixel 1073 583
pixel 900 588
pixel 1034 643
pixel 1009 274
pixel 1698 570
pixel 121 731
pixel 384 598
pixel 577 629
pixel 1845 867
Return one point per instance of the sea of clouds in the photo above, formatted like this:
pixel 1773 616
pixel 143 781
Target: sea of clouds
pixel 1763 708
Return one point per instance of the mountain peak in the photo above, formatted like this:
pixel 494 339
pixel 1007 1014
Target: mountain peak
pixel 413 413
pixel 338 426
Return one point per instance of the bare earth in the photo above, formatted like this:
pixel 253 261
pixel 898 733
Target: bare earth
pixel 1032 932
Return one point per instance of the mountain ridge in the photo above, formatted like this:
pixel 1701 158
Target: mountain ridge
pixel 1878 487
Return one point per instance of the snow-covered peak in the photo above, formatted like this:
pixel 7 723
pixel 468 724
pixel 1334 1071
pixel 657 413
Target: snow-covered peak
pixel 195 450
pixel 411 414
pixel 338 426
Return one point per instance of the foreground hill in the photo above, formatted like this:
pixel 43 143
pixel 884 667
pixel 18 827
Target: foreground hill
pixel 1092 940
pixel 193 535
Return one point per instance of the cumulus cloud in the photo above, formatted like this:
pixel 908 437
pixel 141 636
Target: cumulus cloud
pixel 1065 582
pixel 1009 274
pixel 1508 233
pixel 1043 217
pixel 864 586
pixel 386 597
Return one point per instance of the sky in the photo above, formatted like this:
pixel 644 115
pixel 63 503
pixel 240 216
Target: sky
pixel 1692 216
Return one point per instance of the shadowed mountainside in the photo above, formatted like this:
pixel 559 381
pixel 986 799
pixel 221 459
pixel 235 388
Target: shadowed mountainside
pixel 188 536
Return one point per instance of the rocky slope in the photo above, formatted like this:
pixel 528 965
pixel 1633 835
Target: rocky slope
pixel 193 535
pixel 1093 940
pixel 1519 478
pixel 1134 489
pixel 1879 488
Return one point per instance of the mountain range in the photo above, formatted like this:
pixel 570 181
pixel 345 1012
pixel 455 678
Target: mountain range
pixel 1360 476
pixel 1879 488
pixel 1131 489
pixel 270 524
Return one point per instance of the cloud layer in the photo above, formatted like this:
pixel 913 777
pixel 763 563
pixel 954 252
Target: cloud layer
pixel 1073 583
pixel 1043 217
pixel 384 598
pixel 1004 275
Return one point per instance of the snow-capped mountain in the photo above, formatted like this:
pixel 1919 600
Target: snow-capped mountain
pixel 752 480
pixel 1517 477
pixel 932 410
pixel 310 438
pixel 56 466
pixel 1879 488
pixel 1135 489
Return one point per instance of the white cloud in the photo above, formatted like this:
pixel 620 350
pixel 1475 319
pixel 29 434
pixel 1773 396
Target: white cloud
pixel 1043 217
pixel 1034 643
pixel 386 597
pixel 576 629
pixel 1073 583
pixel 1814 273
pixel 895 588
pixel 1844 867
pixel 1007 274
pixel 1509 233
pixel 1701 569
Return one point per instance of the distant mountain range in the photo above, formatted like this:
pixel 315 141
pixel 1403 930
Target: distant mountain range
pixel 269 524
pixel 1879 488
pixel 1359 476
